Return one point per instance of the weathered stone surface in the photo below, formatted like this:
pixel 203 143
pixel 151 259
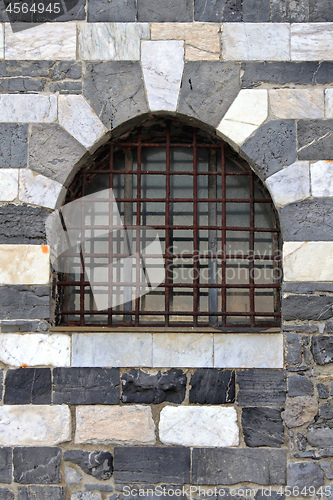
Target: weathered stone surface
pixel 86 495
pixel 315 139
pixel 6 465
pixel 272 147
pixel 22 325
pixel 301 442
pixel 301 73
pixel 262 427
pixel 28 386
pixel 218 466
pixel 24 302
pixel 320 12
pixel 297 103
pixel 329 103
pixel 199 426
pixel 212 386
pixel 115 11
pixel 182 350
pixel 36 189
pixel 1 384
pixel 306 287
pixel 66 87
pixel 152 465
pixel 300 410
pixel 307 220
pixel 9 184
pixel 115 90
pixel 293 344
pixel 290 184
pixel 218 11
pixel 310 42
pixel 29 108
pixel 97 464
pixel 22 224
pixel 261 387
pixel 162 65
pixel 130 425
pixel 6 494
pixel 24 264
pixel 22 85
pixel 322 179
pixel 41 493
pixel 13 145
pixel 141 387
pixel 167 10
pixel 255 42
pixel 80 386
pixel 256 11
pixel 299 385
pixel 208 89
pixel 53 152
pixel 322 349
pixel 32 425
pixel 323 391
pixel 305 308
pixel 326 411
pixel 289 11
pixel 72 476
pixel 304 475
pixel 53 70
pixel 37 465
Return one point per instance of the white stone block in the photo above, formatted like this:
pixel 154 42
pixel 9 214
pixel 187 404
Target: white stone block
pixel 35 349
pixel 308 261
pixel 28 108
pixel 297 103
pixel 49 41
pixel 182 350
pixel 199 426
pixel 321 174
pixel 329 103
pixel 24 264
pixel 36 189
pixel 8 184
pixel 2 36
pixel 112 349
pixel 256 42
pixel 248 350
pixel 290 184
pixel 111 41
pixel 248 111
pixel 34 425
pixel 115 425
pixel 80 120
pixel 312 42
pixel 162 66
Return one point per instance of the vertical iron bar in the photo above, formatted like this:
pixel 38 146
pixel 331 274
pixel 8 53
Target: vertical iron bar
pixel 196 270
pixel 251 252
pixel 167 230
pixel 137 232
pixel 110 276
pixel 212 238
pixel 224 237
pixel 128 235
pixel 82 275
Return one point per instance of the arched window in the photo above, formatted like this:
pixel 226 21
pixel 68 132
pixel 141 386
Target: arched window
pixel 216 225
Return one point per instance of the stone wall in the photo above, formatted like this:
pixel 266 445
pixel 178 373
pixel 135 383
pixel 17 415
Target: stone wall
pixel 84 414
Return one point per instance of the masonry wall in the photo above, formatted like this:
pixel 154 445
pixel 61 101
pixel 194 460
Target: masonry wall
pixel 84 414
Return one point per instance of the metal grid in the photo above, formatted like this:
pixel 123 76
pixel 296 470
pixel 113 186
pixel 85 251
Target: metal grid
pixel 133 313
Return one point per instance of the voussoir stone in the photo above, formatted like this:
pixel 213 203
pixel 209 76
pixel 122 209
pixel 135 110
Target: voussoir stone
pixel 300 410
pixel 304 475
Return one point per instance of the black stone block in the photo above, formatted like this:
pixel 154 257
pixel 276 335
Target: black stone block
pixel 315 139
pixel 6 465
pixel 97 464
pixel 261 387
pixel 19 301
pixel 41 493
pixel 6 494
pixel 322 349
pixel 115 11
pixel 272 147
pixel 141 387
pixel 263 494
pixel 256 11
pixel 28 386
pixel 212 386
pixel 218 11
pixel 323 391
pixel 21 325
pixel 152 465
pixel 262 427
pixel 293 348
pixel 22 85
pixel 161 11
pixel 80 386
pixel 299 385
pixel 229 466
pixel 13 145
pixel 1 384
pixel 320 11
pixel 22 224
pixel 307 307
pixel 304 475
pixel 37 465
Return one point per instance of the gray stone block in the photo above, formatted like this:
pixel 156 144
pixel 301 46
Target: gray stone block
pixel 28 386
pixel 97 464
pixel 66 87
pixel 86 386
pixel 16 326
pixel 37 465
pixel 71 10
pixel 53 152
pixel 13 145
pixel 299 385
pixel 208 89
pixel 256 11
pixel 289 11
pixel 22 85
pixel 41 493
pixel 320 11
pixel 230 466
pixel 254 74
pixel 22 224
pixel 6 494
pixel 308 220
pixel 261 387
pixel 218 11
pixel 326 411
pixel 271 148
pixel 273 495
pixel 304 475
pixel 19 301
pixel 307 307
pixel 262 427
pixel 115 11
pixel 322 349
pixel 293 348
pixel 315 139
pixel 115 90
pixel 307 287
pixel 152 465
pixel 212 386
pixel 65 70
pixel 301 442
pixel 6 465
pixel 161 11
pixel 323 391
pixel 53 70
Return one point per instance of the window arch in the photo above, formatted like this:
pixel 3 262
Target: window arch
pixel 216 224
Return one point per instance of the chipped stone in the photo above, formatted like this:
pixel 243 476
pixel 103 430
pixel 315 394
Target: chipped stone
pixel 97 464
pixel 37 465
pixel 300 410
pixel 72 476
